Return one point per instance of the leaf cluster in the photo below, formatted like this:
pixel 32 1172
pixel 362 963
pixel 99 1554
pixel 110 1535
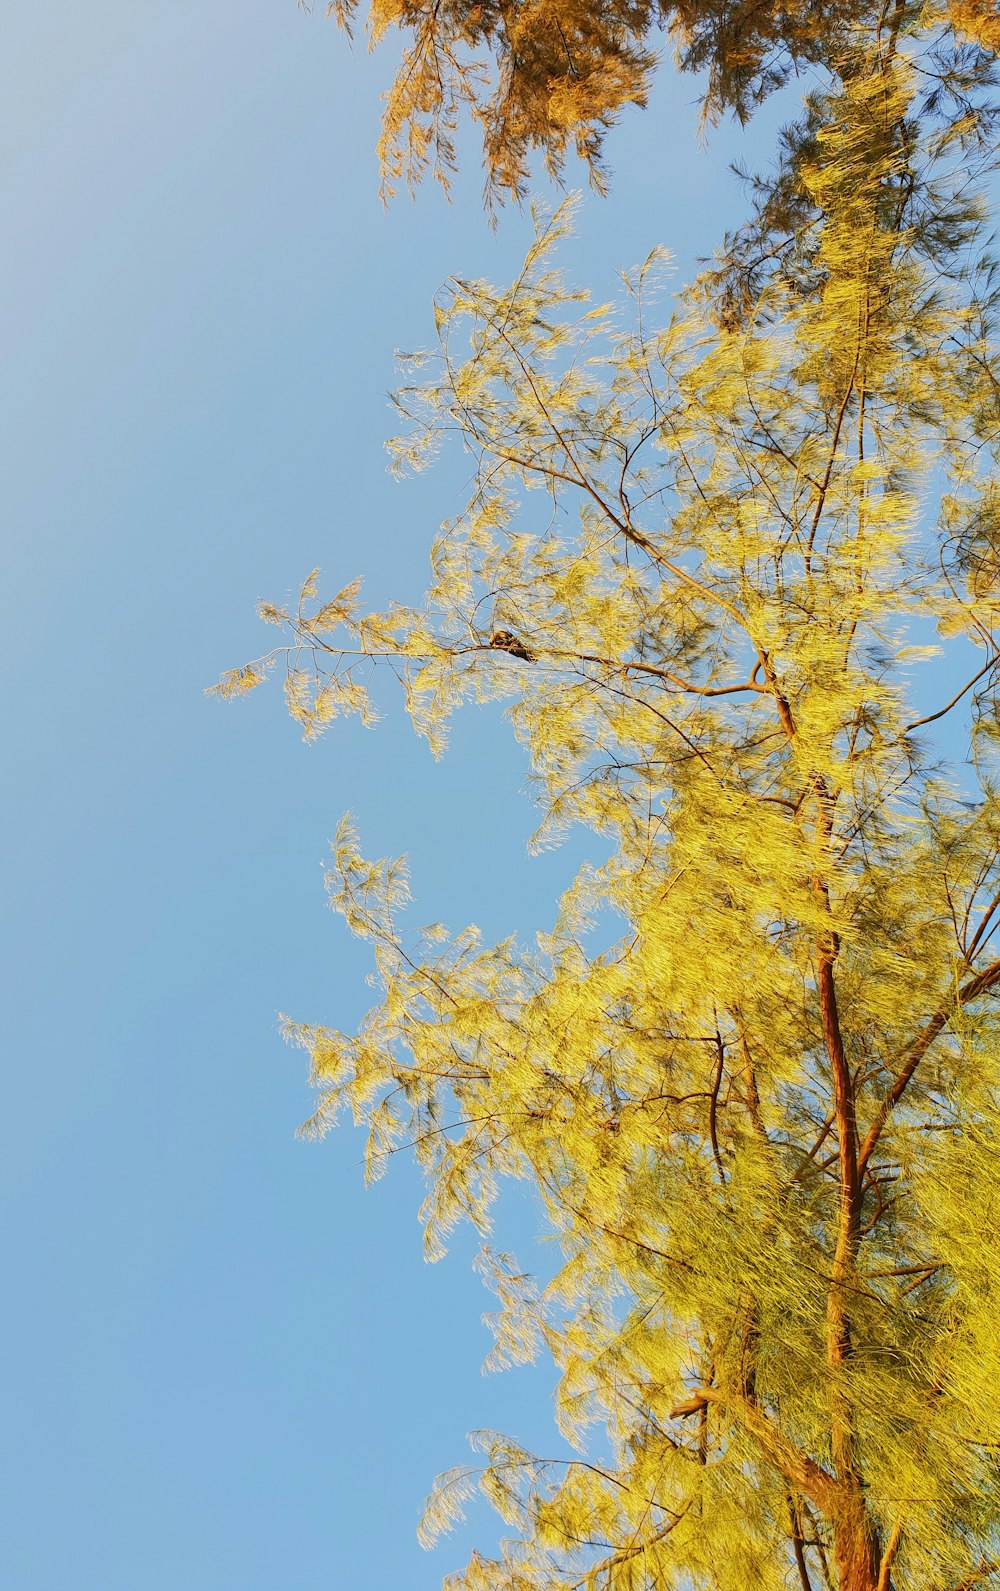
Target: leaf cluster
pixel 551 77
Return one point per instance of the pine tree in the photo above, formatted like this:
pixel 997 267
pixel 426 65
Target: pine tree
pixel 553 76
pixel 761 1118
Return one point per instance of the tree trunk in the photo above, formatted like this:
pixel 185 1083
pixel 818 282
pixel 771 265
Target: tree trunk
pixel 856 1551
pixel 856 1547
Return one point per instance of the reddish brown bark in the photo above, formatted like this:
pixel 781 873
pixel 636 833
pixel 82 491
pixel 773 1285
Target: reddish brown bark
pixel 855 1539
pixel 856 1549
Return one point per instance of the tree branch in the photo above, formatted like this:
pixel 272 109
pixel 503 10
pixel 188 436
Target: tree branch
pixel 790 1461
pixel 915 1053
pixel 892 1547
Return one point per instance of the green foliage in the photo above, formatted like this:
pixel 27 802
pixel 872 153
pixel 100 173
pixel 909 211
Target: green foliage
pixel 762 1120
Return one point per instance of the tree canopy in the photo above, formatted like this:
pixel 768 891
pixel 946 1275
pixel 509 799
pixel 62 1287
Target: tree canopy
pixel 550 77
pixel 751 1070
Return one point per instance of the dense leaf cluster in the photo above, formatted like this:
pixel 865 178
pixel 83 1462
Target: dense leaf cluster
pixel 550 77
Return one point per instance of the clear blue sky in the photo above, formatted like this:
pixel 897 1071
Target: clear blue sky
pixel 226 1366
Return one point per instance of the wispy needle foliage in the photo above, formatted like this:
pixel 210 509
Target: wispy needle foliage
pixel 713 570
pixel 551 77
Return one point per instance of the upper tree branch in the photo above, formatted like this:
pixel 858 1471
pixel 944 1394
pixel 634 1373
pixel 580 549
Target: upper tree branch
pixel 789 1460
pixel 916 1051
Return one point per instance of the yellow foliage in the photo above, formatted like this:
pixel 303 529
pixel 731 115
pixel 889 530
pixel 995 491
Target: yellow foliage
pixel 978 20
pixel 552 76
pixel 760 1113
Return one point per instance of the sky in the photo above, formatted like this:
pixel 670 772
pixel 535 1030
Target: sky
pixel 227 1367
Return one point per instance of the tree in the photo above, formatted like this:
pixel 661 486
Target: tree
pixel 551 77
pixel 761 1113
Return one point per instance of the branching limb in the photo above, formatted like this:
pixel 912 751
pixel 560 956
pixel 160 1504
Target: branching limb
pixel 984 980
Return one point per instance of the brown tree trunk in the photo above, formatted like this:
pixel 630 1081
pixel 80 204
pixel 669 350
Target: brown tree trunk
pixel 857 1553
pixel 856 1549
